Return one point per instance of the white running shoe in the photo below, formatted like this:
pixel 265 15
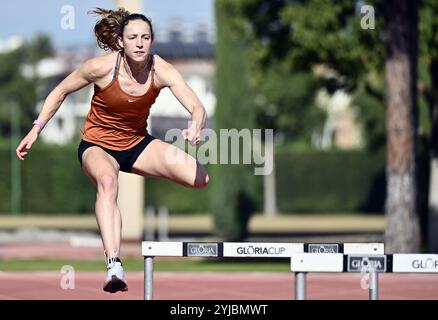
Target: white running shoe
pixel 115 279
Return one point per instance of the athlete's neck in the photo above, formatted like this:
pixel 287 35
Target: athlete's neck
pixel 135 69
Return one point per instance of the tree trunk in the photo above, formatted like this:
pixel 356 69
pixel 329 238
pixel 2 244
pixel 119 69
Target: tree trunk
pixel 402 232
pixel 432 231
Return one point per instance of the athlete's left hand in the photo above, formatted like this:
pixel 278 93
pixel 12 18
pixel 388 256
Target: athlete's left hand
pixel 192 134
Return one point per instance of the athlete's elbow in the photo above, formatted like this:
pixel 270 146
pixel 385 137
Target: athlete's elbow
pixel 59 94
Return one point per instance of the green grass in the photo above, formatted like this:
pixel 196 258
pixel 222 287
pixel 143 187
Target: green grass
pixel 138 265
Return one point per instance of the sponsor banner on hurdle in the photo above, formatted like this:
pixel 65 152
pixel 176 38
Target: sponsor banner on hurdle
pixel 256 249
pixel 202 249
pixel 181 249
pixel 324 247
pixel 365 263
pixel 415 263
pixel 338 262
pixel 347 248
pixel 252 249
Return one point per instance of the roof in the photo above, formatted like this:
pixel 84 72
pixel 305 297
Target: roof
pixel 184 50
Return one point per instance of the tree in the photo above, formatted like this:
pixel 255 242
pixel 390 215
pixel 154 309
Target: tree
pixel 232 185
pixel 402 233
pixel 16 89
pixel 429 89
pixel 318 32
pixel 18 98
pixel 325 41
pixel 286 103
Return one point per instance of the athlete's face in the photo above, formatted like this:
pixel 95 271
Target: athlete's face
pixel 137 40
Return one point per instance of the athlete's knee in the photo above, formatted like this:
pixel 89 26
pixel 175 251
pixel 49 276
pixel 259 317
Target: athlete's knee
pixel 201 179
pixel 206 181
pixel 107 185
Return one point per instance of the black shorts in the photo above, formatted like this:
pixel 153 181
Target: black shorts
pixel 125 158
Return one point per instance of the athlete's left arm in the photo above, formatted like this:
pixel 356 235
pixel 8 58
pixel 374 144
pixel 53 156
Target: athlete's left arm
pixel 169 77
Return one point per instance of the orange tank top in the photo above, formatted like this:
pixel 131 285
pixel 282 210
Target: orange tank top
pixel 118 120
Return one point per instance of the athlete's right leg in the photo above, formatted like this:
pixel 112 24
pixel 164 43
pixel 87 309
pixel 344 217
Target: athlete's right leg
pixel 103 171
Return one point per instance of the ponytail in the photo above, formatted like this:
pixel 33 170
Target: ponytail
pixel 109 27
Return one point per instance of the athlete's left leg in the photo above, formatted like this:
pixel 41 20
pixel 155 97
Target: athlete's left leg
pixel 163 160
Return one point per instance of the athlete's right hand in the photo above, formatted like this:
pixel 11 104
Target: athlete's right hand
pixel 26 143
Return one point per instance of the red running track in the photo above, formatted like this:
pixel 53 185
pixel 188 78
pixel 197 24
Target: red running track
pixel 217 286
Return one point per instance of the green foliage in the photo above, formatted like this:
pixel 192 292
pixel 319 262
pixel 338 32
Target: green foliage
pixel 287 103
pixel 290 39
pixel 428 68
pixel 330 181
pixel 53 182
pixel 130 265
pixel 285 98
pixel 39 48
pixel 330 33
pixel 428 30
pixel 178 199
pixel 232 201
pixel 232 186
pixel 5 178
pixel 305 33
pixel 16 90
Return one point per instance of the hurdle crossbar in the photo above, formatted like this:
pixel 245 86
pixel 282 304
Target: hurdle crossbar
pixel 302 263
pixel 151 249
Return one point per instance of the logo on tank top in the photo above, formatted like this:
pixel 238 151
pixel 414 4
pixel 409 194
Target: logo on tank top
pixel 131 100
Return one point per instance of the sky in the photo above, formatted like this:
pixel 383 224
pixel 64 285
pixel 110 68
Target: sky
pixel 26 18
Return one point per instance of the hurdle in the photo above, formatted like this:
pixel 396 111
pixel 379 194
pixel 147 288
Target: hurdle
pixel 302 263
pixel 152 249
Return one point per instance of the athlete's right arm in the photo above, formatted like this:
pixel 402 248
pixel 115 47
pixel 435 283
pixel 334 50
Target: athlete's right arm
pixel 87 73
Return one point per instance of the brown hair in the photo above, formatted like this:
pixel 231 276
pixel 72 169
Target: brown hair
pixel 111 26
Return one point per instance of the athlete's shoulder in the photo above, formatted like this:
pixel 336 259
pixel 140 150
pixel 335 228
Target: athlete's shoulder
pixel 99 66
pixel 161 63
pixel 166 73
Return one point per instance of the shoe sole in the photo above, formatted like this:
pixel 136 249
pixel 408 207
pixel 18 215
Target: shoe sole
pixel 114 285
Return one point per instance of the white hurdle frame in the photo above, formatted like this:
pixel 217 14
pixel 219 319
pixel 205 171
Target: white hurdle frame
pixel 371 264
pixel 152 249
